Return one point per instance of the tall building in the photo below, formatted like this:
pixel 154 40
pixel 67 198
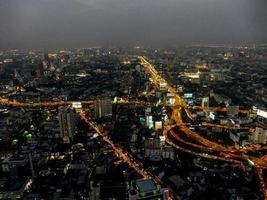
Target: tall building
pixel 103 108
pixel 67 123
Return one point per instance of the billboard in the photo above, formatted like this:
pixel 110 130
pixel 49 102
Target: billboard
pixel 188 95
pixel 77 105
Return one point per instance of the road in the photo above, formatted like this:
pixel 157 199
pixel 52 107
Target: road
pixel 222 109
pixel 122 154
pixel 15 103
pixel 228 154
pixel 119 152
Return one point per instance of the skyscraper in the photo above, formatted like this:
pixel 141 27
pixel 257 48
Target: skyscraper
pixel 67 123
pixel 103 108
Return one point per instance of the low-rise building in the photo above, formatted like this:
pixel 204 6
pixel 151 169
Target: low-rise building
pixel 144 189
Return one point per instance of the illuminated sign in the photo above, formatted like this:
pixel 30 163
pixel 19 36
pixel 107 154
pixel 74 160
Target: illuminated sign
pixel 77 105
pixel 188 95
pixel 169 94
pixel 262 113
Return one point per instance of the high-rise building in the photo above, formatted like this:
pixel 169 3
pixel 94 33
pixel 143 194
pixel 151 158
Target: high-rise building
pixel 67 123
pixel 103 108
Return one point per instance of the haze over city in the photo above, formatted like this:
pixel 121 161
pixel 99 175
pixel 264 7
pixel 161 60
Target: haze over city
pixel 81 23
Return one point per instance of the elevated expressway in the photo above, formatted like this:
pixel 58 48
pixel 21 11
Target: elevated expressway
pixel 14 103
pixel 191 142
pixel 221 109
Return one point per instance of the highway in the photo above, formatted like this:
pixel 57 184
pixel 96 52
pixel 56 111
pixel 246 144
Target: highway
pixel 222 109
pixel 224 126
pixel 228 154
pixel 14 103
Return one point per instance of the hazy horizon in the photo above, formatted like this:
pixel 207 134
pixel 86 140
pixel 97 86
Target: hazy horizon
pixel 54 24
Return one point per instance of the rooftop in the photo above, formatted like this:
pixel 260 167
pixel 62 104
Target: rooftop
pixel 145 185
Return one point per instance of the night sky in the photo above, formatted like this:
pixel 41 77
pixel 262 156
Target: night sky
pixel 83 23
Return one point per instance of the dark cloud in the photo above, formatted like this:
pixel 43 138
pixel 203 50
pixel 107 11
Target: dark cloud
pixel 81 23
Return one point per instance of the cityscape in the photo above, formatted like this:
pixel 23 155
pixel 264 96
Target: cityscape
pixel 138 121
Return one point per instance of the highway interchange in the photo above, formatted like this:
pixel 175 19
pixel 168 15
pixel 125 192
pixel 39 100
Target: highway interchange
pixel 228 154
